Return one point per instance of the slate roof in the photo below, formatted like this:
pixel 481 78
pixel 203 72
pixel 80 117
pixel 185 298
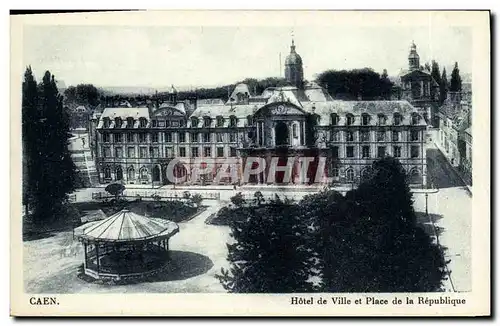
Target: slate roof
pixel 313 99
pixel 237 110
pixel 357 108
pixel 456 114
pixel 139 112
pixel 123 113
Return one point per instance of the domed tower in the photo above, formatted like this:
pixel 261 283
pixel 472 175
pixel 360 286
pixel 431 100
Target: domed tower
pixel 413 58
pixel 294 73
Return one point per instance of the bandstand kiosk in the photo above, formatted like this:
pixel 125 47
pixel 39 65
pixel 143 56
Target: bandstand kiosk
pixel 125 246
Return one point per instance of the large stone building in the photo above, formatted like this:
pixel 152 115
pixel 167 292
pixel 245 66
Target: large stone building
pixel 417 86
pixel 287 124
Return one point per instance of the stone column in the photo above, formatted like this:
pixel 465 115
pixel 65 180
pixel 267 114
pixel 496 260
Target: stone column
pixel 273 134
pixel 258 133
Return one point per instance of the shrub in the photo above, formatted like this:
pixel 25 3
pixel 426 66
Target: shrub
pixel 196 199
pixel 115 189
pixel 237 200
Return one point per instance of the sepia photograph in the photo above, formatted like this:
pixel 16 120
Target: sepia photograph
pixel 321 156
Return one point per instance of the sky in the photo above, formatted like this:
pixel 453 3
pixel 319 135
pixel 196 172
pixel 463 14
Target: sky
pixel 159 56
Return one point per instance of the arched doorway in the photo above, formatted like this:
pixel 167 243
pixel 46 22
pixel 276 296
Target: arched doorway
pixel 107 173
pixel 156 174
pixel 281 134
pixel 119 173
pixel 143 174
pixel 130 174
pixel 349 174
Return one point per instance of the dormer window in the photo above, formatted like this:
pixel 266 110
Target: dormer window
pixel 233 121
pixel 415 119
pixel 220 121
pixel 334 119
pixel 106 123
pixel 143 122
pixel 365 119
pixel 382 119
pixel 350 119
pixel 397 119
pixel 118 122
pixel 130 122
pixel 194 122
pixel 206 122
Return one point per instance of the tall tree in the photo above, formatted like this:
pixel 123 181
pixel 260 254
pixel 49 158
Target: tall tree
pixel 435 72
pixel 443 87
pixel 270 254
pixel 456 80
pixel 83 94
pixel 51 172
pixel 352 84
pixel 385 86
pixel 30 137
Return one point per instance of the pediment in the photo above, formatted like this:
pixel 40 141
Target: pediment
pixel 281 109
pixel 169 111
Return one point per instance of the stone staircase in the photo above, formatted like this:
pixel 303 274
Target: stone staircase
pixel 86 167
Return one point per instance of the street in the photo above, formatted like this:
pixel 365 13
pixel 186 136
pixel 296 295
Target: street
pixel 440 173
pixel 450 215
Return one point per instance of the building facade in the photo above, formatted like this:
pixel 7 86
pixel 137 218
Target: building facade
pixel 290 125
pixel 417 86
pixel 455 137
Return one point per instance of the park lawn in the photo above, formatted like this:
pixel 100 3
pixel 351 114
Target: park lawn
pixel 71 215
pixel 173 210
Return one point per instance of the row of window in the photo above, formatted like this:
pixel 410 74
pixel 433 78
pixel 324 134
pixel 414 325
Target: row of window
pixel 143 122
pixel 364 136
pixel 366 119
pixel 381 151
pixel 233 121
pixel 414 174
pixel 207 121
pixel 128 123
pixel 154 152
pixel 168 137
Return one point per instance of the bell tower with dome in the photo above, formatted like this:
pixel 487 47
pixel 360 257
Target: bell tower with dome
pixel 413 58
pixel 294 73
